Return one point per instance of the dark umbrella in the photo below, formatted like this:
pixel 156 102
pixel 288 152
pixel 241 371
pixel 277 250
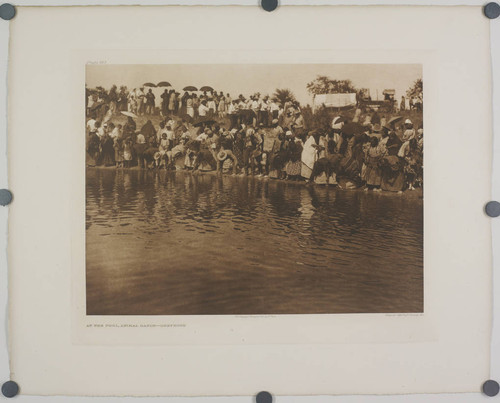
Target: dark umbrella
pixel 96 105
pixel 163 84
pixel 352 128
pixel 189 88
pixel 394 120
pixel 204 122
pixel 206 88
pixel 149 85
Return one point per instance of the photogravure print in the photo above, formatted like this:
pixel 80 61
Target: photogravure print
pixel 254 189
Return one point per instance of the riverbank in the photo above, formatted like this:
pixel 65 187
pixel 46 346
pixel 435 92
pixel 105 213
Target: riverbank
pixel 414 194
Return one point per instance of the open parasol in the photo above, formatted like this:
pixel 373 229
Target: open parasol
pixel 149 85
pixel 189 88
pixel 206 88
pixel 132 115
pixel 394 120
pixel 163 84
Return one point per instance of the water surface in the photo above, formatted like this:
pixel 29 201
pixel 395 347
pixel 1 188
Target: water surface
pixel 161 243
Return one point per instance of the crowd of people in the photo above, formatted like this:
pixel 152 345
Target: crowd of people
pixel 191 106
pixel 411 103
pixel 256 136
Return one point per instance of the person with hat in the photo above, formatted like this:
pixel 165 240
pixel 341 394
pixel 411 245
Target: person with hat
pixel 226 151
pixel 409 132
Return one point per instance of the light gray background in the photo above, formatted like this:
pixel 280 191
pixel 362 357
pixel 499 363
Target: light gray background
pixel 458 398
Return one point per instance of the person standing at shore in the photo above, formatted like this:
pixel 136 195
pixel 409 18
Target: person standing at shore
pixel 212 108
pixel 141 97
pixel 171 101
pixel 164 102
pixel 309 155
pixel 150 102
pixel 372 174
pixel 222 107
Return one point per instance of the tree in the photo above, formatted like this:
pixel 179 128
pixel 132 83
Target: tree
pixel 326 85
pixel 416 89
pixel 284 95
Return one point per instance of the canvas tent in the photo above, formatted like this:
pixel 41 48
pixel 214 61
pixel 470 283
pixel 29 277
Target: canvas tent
pixel 335 100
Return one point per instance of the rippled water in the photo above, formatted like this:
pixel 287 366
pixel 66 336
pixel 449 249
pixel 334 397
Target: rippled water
pixel 177 243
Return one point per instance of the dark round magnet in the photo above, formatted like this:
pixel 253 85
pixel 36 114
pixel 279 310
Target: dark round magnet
pixel 5 197
pixel 492 10
pixel 492 208
pixel 10 389
pixel 7 11
pixel 269 5
pixel 264 397
pixel 491 388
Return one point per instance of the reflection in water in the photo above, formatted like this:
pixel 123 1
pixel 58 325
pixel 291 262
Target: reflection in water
pixel 161 243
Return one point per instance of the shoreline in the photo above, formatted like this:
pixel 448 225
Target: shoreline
pixel 417 193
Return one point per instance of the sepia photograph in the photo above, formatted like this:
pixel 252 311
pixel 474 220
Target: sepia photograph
pixel 254 189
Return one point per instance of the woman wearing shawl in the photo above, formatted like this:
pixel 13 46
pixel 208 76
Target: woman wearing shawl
pixel 392 173
pixel 113 99
pixel 189 106
pixel 118 147
pixel 171 101
pixel 93 148
pixel 148 129
pixel 373 156
pixel 309 155
pixel 294 164
pixel 276 160
pixel 129 128
pixel 164 103
pixel 108 151
pixel 413 162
